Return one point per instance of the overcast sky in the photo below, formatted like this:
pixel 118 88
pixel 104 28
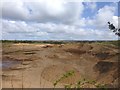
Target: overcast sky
pixel 58 20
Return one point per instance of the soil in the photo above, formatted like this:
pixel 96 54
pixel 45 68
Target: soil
pixel 42 64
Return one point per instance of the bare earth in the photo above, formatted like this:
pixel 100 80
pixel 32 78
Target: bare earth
pixel 39 65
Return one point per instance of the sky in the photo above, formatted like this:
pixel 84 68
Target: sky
pixel 57 20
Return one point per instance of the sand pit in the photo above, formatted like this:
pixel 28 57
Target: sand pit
pixel 42 64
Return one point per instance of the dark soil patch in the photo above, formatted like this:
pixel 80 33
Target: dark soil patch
pixel 102 56
pixel 75 51
pixel 103 67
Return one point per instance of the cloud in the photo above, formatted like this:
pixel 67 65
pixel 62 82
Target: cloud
pixel 14 10
pixel 51 31
pixel 42 11
pixel 44 20
pixel 91 5
pixel 103 15
pixel 118 22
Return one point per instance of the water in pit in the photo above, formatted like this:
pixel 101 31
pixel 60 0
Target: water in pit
pixel 7 64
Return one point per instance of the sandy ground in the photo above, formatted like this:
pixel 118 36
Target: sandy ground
pixel 40 65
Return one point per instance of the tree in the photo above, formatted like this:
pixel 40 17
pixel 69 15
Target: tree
pixel 114 29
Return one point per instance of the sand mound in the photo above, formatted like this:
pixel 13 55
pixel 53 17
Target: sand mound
pixel 81 49
pixel 55 72
pixel 86 47
pixel 107 73
pixel 98 48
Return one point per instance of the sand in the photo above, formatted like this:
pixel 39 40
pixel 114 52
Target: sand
pixel 42 64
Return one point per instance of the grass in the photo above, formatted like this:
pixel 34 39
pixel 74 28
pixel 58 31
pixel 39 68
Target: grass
pixel 33 42
pixel 66 75
pixel 79 84
pixel 116 42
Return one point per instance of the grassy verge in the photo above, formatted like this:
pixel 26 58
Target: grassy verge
pixel 116 43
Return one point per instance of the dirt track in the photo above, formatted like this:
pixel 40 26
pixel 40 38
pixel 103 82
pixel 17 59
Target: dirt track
pixel 41 64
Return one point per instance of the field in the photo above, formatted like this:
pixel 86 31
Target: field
pixel 44 65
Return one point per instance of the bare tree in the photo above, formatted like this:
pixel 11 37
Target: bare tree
pixel 114 29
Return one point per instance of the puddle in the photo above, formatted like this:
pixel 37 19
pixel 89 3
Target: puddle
pixel 6 64
pixel 0 64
